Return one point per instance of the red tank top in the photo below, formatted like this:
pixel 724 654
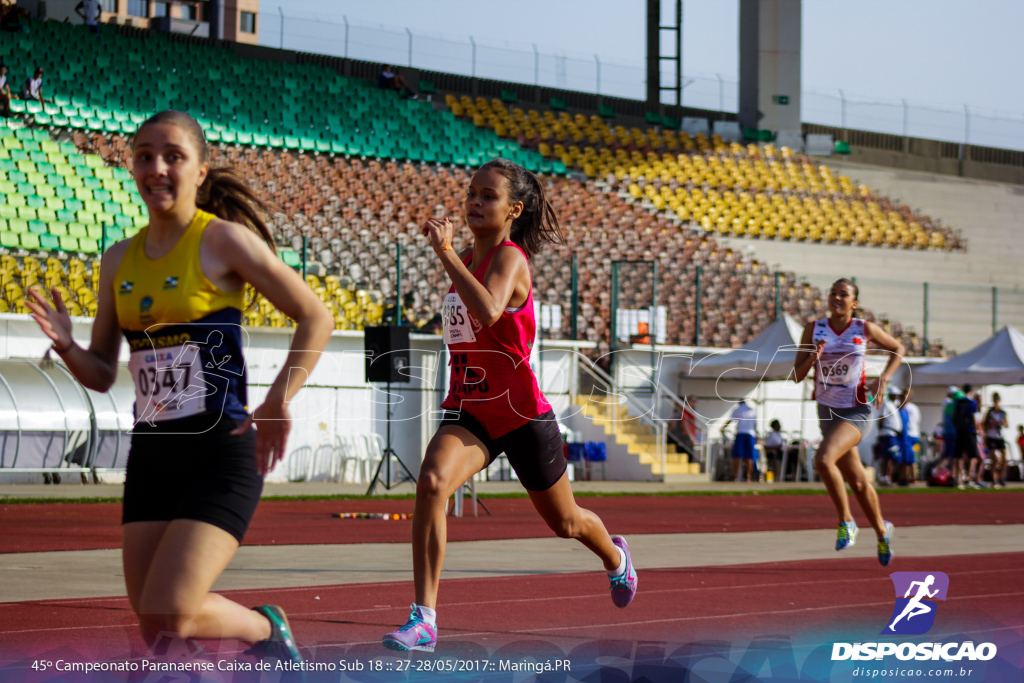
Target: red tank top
pixel 491 376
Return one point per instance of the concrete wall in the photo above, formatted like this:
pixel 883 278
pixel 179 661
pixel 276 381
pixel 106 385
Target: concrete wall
pixel 336 400
pixel 770 41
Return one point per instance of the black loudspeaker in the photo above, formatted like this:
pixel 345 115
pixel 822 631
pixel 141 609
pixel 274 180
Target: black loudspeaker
pixel 387 353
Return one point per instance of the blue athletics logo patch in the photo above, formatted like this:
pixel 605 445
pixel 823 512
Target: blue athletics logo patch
pixel 916 595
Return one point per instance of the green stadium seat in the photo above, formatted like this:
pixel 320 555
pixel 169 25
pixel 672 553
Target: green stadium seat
pixel 842 147
pixel 291 258
pixel 9 239
pixel 29 240
pixel 653 118
pixel 606 112
pixel 58 228
pixel 88 245
pixel 68 243
pixel 49 242
pixel 17 224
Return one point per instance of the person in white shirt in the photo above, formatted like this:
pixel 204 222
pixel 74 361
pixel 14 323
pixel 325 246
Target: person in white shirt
pixel 889 429
pixel 89 10
pixel 746 438
pixel 774 448
pixel 911 436
pixel 33 89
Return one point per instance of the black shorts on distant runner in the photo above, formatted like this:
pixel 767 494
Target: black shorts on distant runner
pixel 534 450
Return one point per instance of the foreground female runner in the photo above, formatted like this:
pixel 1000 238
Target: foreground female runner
pixel 844 407
pixel 176 291
pixel 494 404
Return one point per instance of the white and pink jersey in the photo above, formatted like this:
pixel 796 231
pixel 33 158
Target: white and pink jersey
pixel 839 381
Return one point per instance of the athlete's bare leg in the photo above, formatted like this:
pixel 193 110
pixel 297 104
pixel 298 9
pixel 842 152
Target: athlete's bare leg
pixel 558 508
pixel 169 568
pixel 853 472
pixel 837 442
pixel 453 456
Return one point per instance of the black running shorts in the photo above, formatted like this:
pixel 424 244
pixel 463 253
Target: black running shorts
pixel 534 450
pixel 193 468
pixel 967 446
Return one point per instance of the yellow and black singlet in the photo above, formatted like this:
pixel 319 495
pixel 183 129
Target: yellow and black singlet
pixel 185 334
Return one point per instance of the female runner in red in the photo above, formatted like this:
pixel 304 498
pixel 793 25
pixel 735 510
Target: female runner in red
pixel 494 404
pixel 839 343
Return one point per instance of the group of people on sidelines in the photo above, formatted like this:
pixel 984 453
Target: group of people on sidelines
pixel 966 442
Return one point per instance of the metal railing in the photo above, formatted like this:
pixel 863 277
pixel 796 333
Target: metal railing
pixel 659 395
pixel 643 414
pixel 336 35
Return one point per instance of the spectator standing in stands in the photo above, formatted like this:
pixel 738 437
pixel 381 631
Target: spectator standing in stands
pixel 5 92
pixel 744 445
pixel 33 89
pixel 966 442
pixel 994 422
pixel 911 442
pixel 774 448
pixel 89 10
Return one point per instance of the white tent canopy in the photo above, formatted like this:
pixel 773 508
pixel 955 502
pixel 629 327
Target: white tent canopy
pixel 768 356
pixel 997 360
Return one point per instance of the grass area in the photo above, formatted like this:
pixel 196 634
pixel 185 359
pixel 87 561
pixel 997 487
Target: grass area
pixel 579 494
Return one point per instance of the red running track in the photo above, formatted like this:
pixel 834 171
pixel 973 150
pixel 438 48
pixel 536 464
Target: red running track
pixel 814 599
pixel 79 526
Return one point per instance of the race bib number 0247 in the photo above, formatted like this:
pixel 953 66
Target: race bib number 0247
pixel 458 326
pixel 168 383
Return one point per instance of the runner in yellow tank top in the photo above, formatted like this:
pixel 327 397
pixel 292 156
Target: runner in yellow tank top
pixel 195 468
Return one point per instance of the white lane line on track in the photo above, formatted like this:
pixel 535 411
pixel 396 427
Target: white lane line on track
pixel 755 614
pixel 363 586
pixel 561 628
pixel 491 633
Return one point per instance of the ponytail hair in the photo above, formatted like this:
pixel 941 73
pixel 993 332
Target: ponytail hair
pixel 224 192
pixel 537 223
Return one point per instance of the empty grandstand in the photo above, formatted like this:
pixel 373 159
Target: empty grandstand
pixel 355 170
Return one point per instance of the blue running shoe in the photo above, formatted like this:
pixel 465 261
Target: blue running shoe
pixel 847 535
pixel 416 634
pixel 884 546
pixel 281 643
pixel 624 586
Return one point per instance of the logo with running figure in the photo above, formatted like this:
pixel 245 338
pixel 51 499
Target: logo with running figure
pixel 916 593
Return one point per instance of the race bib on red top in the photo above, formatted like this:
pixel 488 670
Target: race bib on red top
pixel 458 323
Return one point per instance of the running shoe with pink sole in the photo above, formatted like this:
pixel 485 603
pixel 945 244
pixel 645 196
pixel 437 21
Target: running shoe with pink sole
pixel 624 586
pixel 416 634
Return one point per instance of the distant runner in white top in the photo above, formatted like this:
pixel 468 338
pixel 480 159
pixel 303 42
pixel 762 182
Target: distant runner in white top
pixel 834 347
